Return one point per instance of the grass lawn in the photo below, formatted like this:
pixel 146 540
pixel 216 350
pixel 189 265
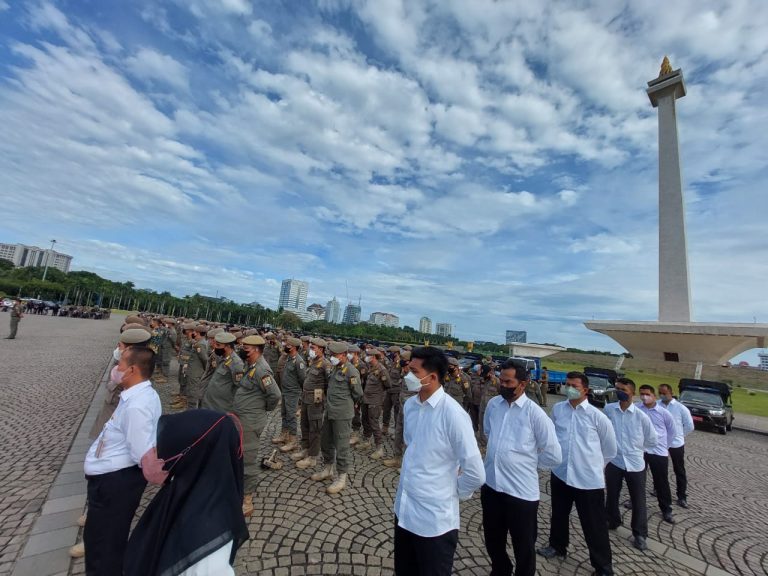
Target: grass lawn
pixel 743 402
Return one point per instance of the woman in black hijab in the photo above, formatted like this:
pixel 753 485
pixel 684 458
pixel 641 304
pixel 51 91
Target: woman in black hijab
pixel 197 515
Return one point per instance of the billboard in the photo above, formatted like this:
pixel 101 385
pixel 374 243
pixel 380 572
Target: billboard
pixel 517 336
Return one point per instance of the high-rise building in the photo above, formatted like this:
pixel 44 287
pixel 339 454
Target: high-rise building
pixel 425 325
pixel 23 256
pixel 351 314
pixel 443 329
pixel 384 319
pixel 293 294
pixel 333 311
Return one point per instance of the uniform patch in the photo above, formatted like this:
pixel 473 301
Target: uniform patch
pixel 267 381
pixel 354 381
pixel 238 376
pixel 301 366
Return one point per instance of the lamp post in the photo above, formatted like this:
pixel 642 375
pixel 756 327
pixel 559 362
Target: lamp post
pixel 47 258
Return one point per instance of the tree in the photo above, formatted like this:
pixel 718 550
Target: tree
pixel 288 320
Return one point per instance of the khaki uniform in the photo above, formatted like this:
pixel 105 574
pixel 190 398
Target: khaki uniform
pixel 185 355
pixel 220 392
pixel 400 422
pixel 344 389
pixel 458 388
pixel 362 368
pixel 313 404
pixel 476 384
pixel 195 369
pixel 292 380
pixel 16 314
pixel 377 386
pixel 392 398
pixel 272 356
pixel 256 394
pixel 490 390
pixel 167 349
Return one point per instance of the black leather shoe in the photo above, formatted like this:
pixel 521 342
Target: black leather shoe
pixel 682 502
pixel 668 518
pixel 640 543
pixel 550 552
pixel 602 573
pixel 613 525
pixel 628 504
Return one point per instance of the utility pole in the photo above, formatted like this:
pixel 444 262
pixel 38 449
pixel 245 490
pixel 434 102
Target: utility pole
pixel 48 257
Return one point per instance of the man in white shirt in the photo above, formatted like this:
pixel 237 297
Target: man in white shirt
pixel 441 466
pixel 683 427
pixel 634 435
pixel 115 480
pixel 588 443
pixel 521 438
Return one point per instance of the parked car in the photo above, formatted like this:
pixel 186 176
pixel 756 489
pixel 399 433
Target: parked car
pixel 6 304
pixel 709 403
pixel 602 388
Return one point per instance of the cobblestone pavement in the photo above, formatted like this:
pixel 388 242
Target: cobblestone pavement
pixel 47 378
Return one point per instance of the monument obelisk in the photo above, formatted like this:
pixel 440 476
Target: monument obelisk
pixel 674 286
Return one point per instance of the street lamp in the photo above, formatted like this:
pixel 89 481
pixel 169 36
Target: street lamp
pixel 48 257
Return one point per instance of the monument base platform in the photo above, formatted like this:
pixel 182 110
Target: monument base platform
pixel 709 343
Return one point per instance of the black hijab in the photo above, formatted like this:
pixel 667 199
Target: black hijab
pixel 199 508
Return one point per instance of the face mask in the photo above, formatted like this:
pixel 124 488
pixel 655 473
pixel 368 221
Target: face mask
pixel 243 355
pixel 287 349
pixel 312 354
pixel 622 396
pixel 412 382
pixel 218 351
pixel 666 399
pixel 367 359
pixel 335 361
pixel 116 353
pixel 116 376
pixel 507 393
pixel 350 357
pixel 572 393
pixel 646 398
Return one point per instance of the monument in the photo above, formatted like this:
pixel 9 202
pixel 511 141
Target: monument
pixel 675 337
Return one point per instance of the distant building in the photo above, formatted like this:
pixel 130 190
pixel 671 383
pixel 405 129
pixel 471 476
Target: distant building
pixel 333 311
pixel 318 310
pixel 444 329
pixel 517 336
pixel 384 319
pixel 23 256
pixel 293 295
pixel 351 314
pixel 763 360
pixel 425 325
pixel 304 315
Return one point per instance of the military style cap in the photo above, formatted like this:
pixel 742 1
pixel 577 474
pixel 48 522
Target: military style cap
pixel 254 340
pixel 295 342
pixel 225 338
pixel 213 331
pixel 337 347
pixel 375 352
pixel 406 355
pixel 408 347
pixel 306 339
pixel 452 361
pixel 135 336
pixel 133 319
pixel 202 328
pixel 394 348
pixel 354 349
pixel 238 335
pixel 189 326
pixel 318 342
pixel 136 326
pixel 169 321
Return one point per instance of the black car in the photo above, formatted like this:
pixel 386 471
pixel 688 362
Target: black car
pixel 601 385
pixel 709 403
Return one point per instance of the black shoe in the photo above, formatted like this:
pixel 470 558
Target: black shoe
pixel 613 525
pixel 668 518
pixel 628 504
pixel 550 552
pixel 602 573
pixel 640 543
pixel 682 502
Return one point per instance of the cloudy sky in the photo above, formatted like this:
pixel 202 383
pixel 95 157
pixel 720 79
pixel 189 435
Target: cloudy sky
pixel 488 164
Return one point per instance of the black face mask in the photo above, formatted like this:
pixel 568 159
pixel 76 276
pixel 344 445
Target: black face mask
pixel 218 351
pixel 243 355
pixel 507 393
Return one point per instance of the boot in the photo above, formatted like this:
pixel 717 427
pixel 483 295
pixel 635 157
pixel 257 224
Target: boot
pixel 393 462
pixel 338 484
pixel 281 438
pixel 78 550
pixel 354 439
pixel 290 443
pixel 247 505
pixel 324 474
pixel 308 462
pixel 364 445
pixel 299 455
pixel 82 519
pixel 379 453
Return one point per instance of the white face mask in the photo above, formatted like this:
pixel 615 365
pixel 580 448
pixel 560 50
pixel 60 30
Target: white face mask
pixel 367 359
pixel 412 382
pixel 646 398
pixel 335 361
pixel 350 356
pixel 312 354
pixel 116 353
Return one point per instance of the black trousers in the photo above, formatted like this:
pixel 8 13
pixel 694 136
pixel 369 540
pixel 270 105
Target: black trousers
pixel 659 466
pixel 112 502
pixel 677 455
pixel 504 514
pixel 636 487
pixel 590 505
pixel 421 556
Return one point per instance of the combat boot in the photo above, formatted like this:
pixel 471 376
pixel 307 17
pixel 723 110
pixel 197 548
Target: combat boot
pixel 290 443
pixel 338 485
pixel 364 445
pixel 324 474
pixel 180 404
pixel 379 453
pixel 247 505
pixel 78 550
pixel 308 462
pixel 354 439
pixel 281 438
pixel 393 462
pixel 299 455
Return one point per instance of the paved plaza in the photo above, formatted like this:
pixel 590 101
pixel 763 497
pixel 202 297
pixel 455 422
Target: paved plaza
pixel 47 381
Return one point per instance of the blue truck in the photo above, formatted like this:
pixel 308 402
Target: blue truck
pixel 555 378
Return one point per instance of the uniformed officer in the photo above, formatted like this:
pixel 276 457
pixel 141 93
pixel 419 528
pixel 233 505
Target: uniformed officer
pixel 344 388
pixel 376 388
pixel 305 348
pixel 156 343
pixel 313 404
pixel 476 383
pixel 392 397
pixel 456 383
pixel 353 355
pixel 197 362
pixel 220 392
pixel 17 313
pixel 271 351
pixel 490 390
pixel 256 394
pixel 169 347
pixel 397 459
pixel 210 364
pixel 294 373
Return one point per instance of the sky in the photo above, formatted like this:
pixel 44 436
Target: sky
pixel 490 164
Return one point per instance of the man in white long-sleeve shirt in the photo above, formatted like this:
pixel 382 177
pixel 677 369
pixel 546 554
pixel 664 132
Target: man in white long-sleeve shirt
pixel 588 443
pixel 683 427
pixel 521 438
pixel 441 466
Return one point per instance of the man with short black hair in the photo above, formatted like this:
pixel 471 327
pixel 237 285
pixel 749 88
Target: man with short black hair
pixel 112 465
pixel 683 427
pixel 441 466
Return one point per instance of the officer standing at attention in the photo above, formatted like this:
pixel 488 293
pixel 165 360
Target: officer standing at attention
pixel 490 390
pixel 376 391
pixel 683 427
pixel 344 389
pixel 405 393
pixel 353 354
pixel 392 397
pixel 456 383
pixel 169 346
pixel 197 361
pixel 17 313
pixel 256 394
pixel 220 393
pixel 185 356
pixel 292 380
pixel 313 404
pixel 156 344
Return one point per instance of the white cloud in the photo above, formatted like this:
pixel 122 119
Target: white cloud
pixel 147 64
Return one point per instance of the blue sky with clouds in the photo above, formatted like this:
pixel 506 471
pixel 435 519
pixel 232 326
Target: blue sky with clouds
pixel 489 164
